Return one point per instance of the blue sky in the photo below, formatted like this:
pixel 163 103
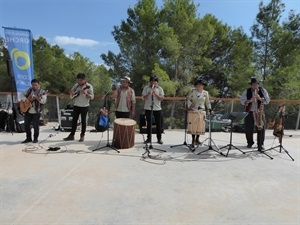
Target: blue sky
pixel 86 25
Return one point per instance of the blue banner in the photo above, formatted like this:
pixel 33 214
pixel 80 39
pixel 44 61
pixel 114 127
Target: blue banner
pixel 19 43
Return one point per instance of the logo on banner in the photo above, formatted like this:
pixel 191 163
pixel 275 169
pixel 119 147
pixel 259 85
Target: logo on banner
pixel 21 58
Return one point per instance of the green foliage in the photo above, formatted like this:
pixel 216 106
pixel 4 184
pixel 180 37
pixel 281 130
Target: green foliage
pixel 57 71
pixel 173 43
pixel 277 50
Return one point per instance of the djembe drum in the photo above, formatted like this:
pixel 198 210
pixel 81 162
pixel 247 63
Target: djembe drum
pixel 124 133
pixel 196 122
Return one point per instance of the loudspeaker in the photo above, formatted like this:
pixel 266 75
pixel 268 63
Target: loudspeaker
pixel 66 118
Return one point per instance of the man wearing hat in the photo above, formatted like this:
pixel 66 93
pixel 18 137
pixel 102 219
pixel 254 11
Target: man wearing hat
pixel 125 100
pixel 199 99
pixel 253 99
pixel 153 94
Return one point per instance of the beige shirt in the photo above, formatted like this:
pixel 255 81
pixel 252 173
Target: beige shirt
pixel 83 100
pixel 199 100
pixel 148 102
pixel 122 107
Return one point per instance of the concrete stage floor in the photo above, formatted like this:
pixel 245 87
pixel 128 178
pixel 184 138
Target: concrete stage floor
pixel 78 186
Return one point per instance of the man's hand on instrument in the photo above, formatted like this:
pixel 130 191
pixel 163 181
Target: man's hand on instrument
pixel 259 98
pixel 256 97
pixel 250 100
pixel 84 92
pixel 151 91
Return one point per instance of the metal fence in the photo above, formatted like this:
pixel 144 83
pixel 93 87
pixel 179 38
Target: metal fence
pixel 173 109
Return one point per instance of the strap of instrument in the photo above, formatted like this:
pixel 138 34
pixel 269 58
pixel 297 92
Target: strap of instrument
pixel 28 92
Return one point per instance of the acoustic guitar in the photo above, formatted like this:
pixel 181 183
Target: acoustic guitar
pixel 271 122
pixel 77 93
pixel 26 105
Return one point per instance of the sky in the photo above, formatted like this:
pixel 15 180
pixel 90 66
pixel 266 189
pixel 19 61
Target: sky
pixel 85 26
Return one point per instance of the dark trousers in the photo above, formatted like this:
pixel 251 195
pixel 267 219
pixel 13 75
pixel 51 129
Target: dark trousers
pixel 76 112
pixel 122 114
pixel 195 137
pixel 249 130
pixel 34 120
pixel 157 117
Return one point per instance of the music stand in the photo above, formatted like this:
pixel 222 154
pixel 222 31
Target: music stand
pixel 280 146
pixel 185 127
pixel 107 105
pixel 210 140
pixel 232 116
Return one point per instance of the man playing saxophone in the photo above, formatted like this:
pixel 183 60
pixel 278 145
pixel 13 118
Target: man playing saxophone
pixel 254 98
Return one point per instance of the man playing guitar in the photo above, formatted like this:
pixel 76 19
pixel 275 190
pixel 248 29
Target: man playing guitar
pixel 82 93
pixel 35 97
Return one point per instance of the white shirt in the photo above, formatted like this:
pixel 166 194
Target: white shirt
pixel 148 102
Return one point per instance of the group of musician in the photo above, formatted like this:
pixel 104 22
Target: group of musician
pixel 124 98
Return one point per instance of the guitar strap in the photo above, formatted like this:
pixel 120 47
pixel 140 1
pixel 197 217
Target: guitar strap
pixel 28 92
pixel 75 89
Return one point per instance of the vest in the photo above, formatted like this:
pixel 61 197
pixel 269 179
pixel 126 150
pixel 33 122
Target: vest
pixel 128 97
pixel 249 96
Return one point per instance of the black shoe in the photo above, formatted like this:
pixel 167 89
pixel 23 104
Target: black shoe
pixel 69 138
pixel 35 141
pixel 81 138
pixel 261 148
pixel 249 146
pixel 192 147
pixel 160 142
pixel 147 141
pixel 26 141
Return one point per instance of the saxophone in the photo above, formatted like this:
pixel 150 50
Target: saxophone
pixel 259 115
pixel 260 118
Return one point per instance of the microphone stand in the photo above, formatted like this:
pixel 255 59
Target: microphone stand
pixel 185 126
pixel 210 139
pixel 107 105
pixel 13 108
pixel 151 116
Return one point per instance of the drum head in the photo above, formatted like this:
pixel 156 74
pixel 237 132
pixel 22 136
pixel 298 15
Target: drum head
pixel 125 122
